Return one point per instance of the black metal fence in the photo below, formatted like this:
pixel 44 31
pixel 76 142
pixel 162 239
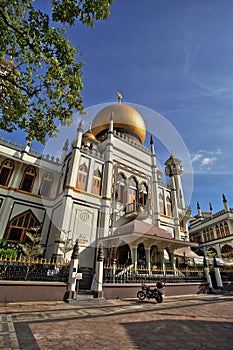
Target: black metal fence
pixel 33 270
pixel 131 275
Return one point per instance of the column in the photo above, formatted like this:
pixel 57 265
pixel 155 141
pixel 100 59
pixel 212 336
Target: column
pixel 148 264
pixel 172 260
pixel 217 274
pixel 134 256
pixel 207 273
pixel 71 292
pixel 98 284
pixel 161 257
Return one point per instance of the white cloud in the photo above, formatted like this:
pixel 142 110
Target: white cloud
pixel 197 157
pixel 204 159
pixel 208 160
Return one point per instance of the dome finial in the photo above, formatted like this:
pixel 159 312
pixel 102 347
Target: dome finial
pixel 119 97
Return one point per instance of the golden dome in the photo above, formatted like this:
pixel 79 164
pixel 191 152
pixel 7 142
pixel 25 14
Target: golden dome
pixel 125 119
pixel 89 134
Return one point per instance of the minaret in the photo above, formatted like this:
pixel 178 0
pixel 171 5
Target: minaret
pixel 75 158
pixel 64 151
pixel 107 181
pixel 226 207
pixel 174 170
pixel 154 190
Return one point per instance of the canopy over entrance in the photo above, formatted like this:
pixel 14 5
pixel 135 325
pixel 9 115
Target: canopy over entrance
pixel 186 252
pixel 136 231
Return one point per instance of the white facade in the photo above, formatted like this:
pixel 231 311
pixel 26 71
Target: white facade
pixel 214 231
pixel 107 180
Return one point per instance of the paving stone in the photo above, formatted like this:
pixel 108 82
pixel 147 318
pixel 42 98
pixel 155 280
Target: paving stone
pixel 179 323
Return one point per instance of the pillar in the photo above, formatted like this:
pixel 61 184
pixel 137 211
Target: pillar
pixel 98 284
pixel 217 274
pixel 161 258
pixel 207 273
pixel 148 264
pixel 71 292
pixel 134 256
pixel 113 264
pixel 172 260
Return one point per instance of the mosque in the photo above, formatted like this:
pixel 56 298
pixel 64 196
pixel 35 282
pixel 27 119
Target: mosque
pixel 105 187
pixel 213 232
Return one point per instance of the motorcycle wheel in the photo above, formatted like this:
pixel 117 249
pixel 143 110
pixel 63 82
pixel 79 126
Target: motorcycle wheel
pixel 159 298
pixel 141 295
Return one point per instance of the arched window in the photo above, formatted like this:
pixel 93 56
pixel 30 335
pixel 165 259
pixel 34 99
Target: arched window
pixel 227 250
pixel 161 204
pixel 143 195
pixel 21 224
pixel 96 182
pixel 198 238
pixel 217 231
pixel 169 206
pixel 132 191
pixel 211 234
pixel 6 172
pixel 120 192
pixel 28 179
pixel 46 184
pixel 204 236
pixel 222 230
pixel 226 229
pixel 82 177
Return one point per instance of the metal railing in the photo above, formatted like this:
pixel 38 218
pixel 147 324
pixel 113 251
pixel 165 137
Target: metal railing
pixel 131 275
pixel 33 270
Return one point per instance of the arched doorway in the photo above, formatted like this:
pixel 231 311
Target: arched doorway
pixel 123 255
pixel 141 256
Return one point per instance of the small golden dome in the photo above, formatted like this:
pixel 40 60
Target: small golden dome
pixel 89 134
pixel 125 120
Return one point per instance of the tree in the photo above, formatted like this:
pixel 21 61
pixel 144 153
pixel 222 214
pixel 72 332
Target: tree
pixel 33 249
pixel 40 75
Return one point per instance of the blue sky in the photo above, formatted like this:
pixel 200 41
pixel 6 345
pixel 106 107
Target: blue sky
pixel 176 58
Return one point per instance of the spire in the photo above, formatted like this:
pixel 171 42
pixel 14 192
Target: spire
pixel 199 213
pixel 111 122
pixel 66 144
pixel 152 145
pixel 226 207
pixel 211 208
pixel 90 126
pixel 64 151
pixel 224 198
pixel 80 127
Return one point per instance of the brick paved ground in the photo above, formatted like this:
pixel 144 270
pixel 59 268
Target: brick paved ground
pixel 185 323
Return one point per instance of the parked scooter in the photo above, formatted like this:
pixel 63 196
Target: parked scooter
pixel 147 292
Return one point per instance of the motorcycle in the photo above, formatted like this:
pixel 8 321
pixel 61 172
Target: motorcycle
pixel 148 292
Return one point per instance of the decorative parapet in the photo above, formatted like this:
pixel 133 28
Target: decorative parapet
pixel 11 144
pixel 164 184
pixel 32 152
pixel 92 152
pixel 213 216
pixel 135 144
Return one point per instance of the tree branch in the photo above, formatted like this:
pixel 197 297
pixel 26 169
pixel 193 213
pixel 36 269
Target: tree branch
pixel 8 24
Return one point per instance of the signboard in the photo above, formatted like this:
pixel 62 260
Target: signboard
pixel 79 276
